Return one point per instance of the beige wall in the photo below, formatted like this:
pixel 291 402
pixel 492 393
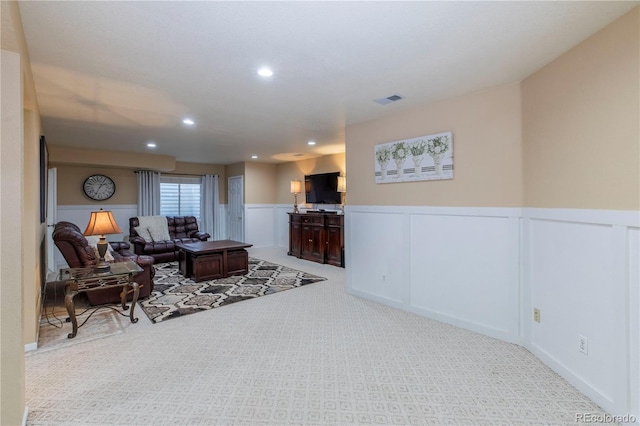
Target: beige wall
pixel 21 232
pixel 92 157
pixel 11 245
pixel 260 183
pixel 287 172
pixel 34 233
pixel 71 179
pixel 487 152
pixel 581 124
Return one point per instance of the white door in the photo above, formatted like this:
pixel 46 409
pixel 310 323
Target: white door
pixel 52 217
pixel 236 208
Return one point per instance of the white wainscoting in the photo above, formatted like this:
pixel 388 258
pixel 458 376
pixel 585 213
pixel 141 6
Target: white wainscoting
pixel 485 269
pixel 260 225
pixel 456 265
pixel 581 270
pixel 634 319
pixel 267 225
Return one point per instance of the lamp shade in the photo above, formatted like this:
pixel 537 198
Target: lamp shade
pixel 296 186
pixel 102 223
pixel 342 184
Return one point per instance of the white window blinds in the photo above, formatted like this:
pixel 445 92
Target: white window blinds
pixel 180 196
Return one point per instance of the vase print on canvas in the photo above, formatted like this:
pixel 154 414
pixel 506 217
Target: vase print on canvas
pixel 417 168
pixel 399 154
pixel 421 158
pixel 436 147
pixel 437 162
pixel 383 155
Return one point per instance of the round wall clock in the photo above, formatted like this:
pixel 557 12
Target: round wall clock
pixel 99 187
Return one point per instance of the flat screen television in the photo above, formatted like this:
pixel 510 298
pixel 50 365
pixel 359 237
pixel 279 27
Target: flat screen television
pixel 322 188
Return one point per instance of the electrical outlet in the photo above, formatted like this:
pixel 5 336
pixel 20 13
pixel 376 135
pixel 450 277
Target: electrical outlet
pixel 583 345
pixel 536 314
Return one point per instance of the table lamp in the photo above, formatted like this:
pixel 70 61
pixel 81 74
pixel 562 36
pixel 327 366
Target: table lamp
pixel 102 223
pixel 342 189
pixel 296 188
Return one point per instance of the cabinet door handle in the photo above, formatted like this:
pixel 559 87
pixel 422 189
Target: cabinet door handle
pixel 310 241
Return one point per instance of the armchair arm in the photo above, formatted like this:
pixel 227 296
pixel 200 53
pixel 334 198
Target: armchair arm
pixel 202 236
pixel 119 245
pixel 137 240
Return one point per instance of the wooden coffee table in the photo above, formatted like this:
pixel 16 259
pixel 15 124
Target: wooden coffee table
pixel 210 260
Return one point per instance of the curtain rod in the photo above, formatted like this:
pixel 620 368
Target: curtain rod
pixel 177 174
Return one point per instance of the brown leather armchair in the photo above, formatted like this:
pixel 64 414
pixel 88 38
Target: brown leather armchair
pixel 79 254
pixel 182 229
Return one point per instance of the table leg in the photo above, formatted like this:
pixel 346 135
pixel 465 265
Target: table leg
pixel 123 296
pixel 71 310
pixel 134 300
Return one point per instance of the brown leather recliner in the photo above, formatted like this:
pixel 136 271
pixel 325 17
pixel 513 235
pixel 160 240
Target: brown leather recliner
pixel 182 229
pixel 79 254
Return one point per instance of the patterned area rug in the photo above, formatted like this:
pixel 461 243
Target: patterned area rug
pixel 174 295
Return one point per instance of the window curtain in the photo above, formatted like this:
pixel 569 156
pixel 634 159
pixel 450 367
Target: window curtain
pixel 209 206
pixel 148 192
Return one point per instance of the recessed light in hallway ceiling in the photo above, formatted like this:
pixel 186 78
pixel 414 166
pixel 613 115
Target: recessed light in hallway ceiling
pixel 265 72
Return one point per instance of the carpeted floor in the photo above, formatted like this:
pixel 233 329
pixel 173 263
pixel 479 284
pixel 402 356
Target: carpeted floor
pixel 312 356
pixel 174 295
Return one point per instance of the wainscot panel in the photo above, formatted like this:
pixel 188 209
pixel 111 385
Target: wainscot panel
pixel 456 265
pixel 479 296
pixel 260 220
pixel 634 318
pixel 581 272
pixel 485 269
pixel 380 257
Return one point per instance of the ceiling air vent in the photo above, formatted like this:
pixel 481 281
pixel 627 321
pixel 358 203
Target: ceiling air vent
pixel 388 100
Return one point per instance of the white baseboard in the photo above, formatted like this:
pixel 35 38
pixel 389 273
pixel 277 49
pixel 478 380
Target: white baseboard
pixel 31 346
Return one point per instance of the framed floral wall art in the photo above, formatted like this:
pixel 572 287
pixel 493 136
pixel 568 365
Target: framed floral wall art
pixel 423 158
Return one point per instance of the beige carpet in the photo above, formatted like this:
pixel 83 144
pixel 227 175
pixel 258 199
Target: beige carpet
pixel 310 356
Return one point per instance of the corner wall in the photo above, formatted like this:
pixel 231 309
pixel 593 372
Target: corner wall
pixel 543 211
pixel 581 134
pixel 446 249
pixel 11 248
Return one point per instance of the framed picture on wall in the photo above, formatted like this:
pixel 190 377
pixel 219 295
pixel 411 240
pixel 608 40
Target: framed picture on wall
pixel 44 170
pixel 427 157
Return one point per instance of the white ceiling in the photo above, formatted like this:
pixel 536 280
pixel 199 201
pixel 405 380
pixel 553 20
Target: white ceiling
pixel 115 75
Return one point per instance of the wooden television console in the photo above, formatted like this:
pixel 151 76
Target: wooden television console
pixel 318 237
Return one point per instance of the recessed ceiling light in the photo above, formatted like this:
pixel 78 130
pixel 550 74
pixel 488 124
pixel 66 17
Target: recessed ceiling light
pixel 311 143
pixel 151 145
pixel 188 122
pixel 254 156
pixel 265 72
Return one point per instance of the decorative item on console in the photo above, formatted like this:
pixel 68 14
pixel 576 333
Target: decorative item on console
pixel 296 188
pixel 342 189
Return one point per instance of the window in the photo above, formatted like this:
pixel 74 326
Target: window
pixel 180 196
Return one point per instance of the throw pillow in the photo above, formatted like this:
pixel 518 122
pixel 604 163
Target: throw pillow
pixel 159 233
pixel 157 226
pixel 143 231
pixel 93 242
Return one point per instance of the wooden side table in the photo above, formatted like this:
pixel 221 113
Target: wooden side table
pixel 82 280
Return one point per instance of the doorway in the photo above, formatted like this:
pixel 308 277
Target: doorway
pixel 236 208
